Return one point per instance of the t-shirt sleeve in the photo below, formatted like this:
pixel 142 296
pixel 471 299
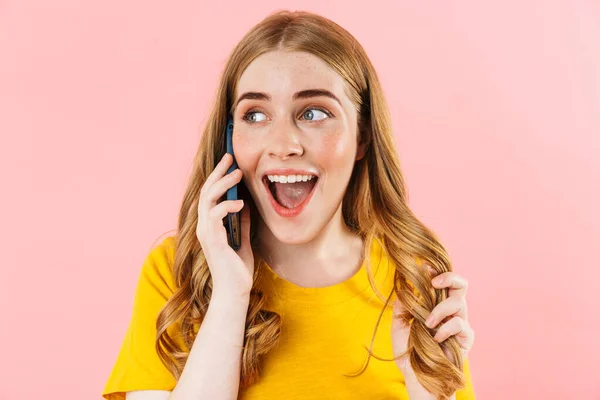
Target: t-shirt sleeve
pixel 467 392
pixel 138 366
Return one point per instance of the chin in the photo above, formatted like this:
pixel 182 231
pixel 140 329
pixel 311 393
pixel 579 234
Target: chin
pixel 293 234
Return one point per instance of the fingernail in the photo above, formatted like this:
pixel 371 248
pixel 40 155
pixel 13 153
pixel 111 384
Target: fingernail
pixel 429 321
pixel 438 281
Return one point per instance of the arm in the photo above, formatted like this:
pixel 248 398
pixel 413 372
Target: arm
pixel 213 368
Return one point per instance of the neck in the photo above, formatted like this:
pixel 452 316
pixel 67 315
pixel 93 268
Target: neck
pixel 332 256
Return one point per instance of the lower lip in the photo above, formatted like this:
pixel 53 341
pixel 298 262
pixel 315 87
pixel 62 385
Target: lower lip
pixel 289 212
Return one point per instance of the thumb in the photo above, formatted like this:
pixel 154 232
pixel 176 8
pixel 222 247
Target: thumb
pixel 400 334
pixel 397 313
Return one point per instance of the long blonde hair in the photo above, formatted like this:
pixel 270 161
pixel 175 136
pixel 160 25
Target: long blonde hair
pixel 374 206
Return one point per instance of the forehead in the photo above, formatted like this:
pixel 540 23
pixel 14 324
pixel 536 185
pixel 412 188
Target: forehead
pixel 282 73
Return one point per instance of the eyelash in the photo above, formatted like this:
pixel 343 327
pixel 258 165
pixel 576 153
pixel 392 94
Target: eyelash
pixel 245 116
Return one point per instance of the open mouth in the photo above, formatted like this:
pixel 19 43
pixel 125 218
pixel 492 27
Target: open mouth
pixel 290 192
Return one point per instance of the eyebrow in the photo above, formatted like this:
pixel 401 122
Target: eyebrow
pixel 303 94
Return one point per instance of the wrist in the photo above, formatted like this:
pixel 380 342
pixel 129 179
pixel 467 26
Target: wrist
pixel 230 294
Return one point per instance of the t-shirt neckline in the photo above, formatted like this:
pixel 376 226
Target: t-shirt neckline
pixel 289 292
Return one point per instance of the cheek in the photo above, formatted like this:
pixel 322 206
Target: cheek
pixel 245 151
pixel 337 148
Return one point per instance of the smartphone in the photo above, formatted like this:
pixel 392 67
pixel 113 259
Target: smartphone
pixel 233 222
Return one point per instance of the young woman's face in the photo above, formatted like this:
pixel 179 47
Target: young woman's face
pixel 295 139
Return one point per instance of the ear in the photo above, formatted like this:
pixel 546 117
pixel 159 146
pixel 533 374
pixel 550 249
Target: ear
pixel 364 136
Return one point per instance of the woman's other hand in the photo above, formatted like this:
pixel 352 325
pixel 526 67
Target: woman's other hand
pixel 451 313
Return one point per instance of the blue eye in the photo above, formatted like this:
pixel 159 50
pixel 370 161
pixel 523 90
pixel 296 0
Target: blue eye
pixel 247 116
pixel 310 112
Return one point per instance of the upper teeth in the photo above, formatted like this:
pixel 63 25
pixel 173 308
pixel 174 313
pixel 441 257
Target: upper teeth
pixel 289 178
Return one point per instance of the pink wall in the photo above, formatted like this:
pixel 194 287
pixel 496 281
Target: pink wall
pixel 496 108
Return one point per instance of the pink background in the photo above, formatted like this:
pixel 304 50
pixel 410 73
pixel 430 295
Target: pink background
pixel 496 111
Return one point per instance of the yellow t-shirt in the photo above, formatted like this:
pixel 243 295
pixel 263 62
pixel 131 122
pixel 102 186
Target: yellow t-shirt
pixel 323 336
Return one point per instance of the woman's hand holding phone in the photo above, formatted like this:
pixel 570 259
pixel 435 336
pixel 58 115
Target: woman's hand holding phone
pixel 231 270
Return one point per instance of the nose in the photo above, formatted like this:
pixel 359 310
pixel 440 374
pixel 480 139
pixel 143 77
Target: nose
pixel 284 141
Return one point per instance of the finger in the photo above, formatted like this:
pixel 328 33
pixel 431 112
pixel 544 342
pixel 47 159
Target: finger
pixel 220 170
pixel 451 306
pixel 465 336
pixel 245 222
pixel 452 280
pixel 218 189
pixel 431 271
pixel 220 211
pixel 203 206
pixel 455 326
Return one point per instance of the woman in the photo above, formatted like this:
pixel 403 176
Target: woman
pixel 330 250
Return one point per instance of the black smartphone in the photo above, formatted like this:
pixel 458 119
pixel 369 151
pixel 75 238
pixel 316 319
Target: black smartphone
pixel 233 221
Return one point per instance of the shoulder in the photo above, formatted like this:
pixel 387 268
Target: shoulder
pixel 157 269
pixel 379 247
pixel 138 364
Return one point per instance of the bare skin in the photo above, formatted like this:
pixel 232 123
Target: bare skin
pixel 315 248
